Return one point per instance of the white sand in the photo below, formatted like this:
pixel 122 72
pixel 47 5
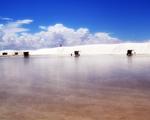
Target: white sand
pixel 139 48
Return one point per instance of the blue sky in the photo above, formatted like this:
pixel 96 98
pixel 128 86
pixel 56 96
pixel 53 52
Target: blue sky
pixel 128 20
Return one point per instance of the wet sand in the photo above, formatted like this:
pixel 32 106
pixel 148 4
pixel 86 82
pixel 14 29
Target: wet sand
pixel 68 88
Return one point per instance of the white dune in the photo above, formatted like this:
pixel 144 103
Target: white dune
pixel 96 49
pixel 139 48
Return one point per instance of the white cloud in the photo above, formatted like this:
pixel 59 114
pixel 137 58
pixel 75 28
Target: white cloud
pixel 1 25
pixel 14 36
pixel 43 27
pixel 6 18
pixel 21 22
pixel 15 27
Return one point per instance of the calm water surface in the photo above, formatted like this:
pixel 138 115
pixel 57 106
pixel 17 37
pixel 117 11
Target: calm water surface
pixel 106 87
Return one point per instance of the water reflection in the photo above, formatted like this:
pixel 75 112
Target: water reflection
pixel 130 58
pixel 69 70
pixel 62 83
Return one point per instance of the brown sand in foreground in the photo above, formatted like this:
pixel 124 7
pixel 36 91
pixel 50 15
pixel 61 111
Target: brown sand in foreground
pixel 43 103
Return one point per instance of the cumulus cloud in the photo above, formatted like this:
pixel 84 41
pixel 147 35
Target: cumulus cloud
pixel 13 35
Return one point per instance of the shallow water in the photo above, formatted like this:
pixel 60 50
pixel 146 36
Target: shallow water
pixel 66 88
